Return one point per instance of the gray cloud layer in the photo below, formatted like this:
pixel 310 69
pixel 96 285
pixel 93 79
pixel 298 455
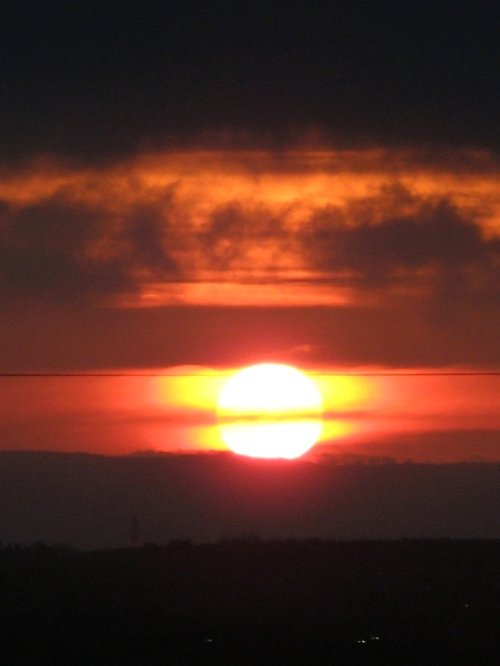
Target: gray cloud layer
pixel 65 250
pixel 397 234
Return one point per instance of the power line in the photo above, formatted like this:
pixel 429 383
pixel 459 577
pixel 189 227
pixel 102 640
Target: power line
pixel 396 373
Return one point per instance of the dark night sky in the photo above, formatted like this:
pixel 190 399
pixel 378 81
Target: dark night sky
pixel 97 80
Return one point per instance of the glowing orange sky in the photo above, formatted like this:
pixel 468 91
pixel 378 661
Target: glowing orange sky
pixel 368 416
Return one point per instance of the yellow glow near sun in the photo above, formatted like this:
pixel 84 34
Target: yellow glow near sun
pixel 270 410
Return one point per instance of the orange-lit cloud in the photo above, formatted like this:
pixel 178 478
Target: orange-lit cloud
pixel 227 227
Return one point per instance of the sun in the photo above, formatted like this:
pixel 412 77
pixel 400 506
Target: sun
pixel 270 410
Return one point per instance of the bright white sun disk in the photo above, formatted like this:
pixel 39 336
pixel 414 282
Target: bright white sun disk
pixel 270 410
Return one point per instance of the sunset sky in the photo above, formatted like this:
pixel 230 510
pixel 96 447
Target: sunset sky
pixel 186 189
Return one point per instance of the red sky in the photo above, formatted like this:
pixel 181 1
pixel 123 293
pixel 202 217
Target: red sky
pixel 333 260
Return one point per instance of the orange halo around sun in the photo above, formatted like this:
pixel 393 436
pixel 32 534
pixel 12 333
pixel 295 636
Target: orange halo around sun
pixel 270 410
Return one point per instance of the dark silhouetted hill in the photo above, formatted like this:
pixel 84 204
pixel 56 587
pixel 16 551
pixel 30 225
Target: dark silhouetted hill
pixel 89 501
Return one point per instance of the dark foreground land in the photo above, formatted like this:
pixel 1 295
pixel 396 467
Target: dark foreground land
pixel 252 602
